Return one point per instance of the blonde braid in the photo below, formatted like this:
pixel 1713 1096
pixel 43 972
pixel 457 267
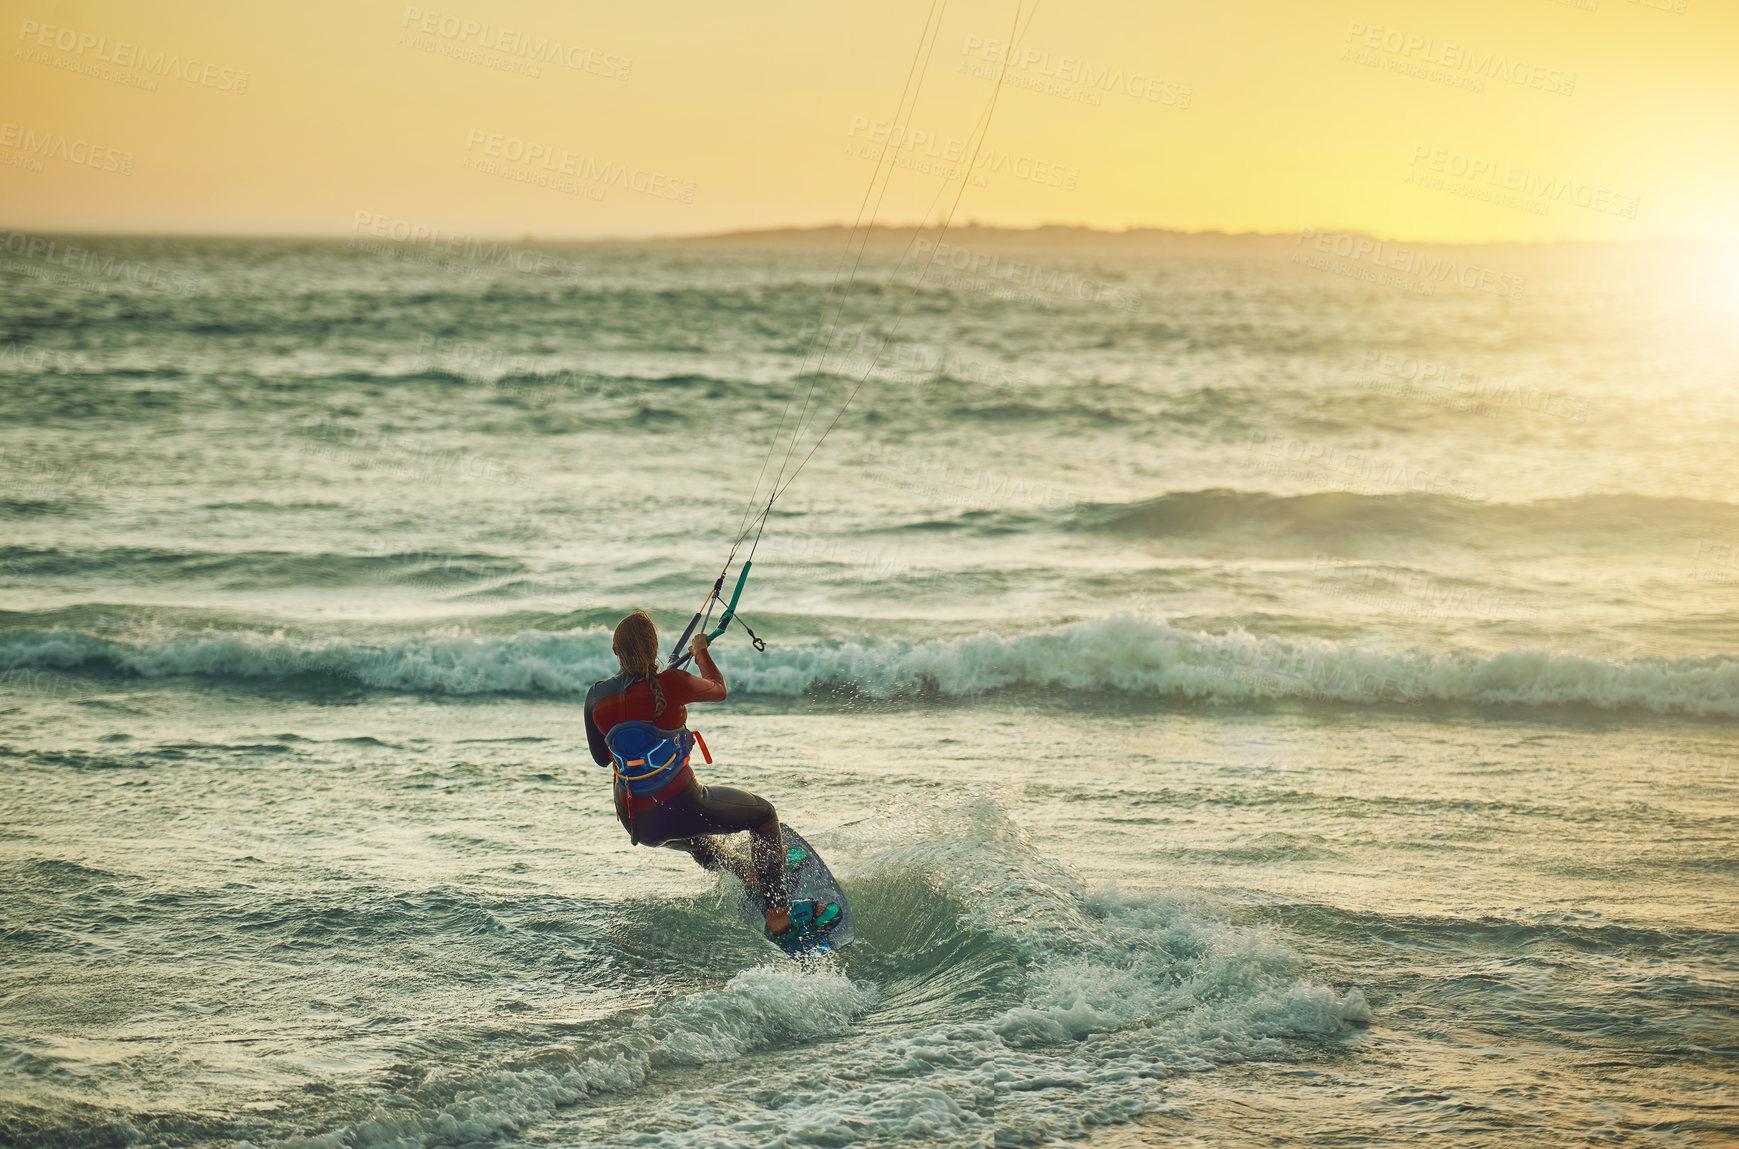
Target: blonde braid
pixel 657 687
pixel 637 646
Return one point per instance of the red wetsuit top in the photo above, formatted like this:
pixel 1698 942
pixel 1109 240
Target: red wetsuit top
pixel 626 699
pixel 635 703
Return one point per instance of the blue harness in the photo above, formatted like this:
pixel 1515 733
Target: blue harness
pixel 645 757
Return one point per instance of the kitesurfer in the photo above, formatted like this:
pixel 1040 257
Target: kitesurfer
pixel 637 723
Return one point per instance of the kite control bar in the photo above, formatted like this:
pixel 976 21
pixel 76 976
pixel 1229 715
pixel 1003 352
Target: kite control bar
pixel 678 656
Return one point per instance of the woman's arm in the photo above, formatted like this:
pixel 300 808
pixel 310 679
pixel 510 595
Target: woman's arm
pixel 594 736
pixel 710 685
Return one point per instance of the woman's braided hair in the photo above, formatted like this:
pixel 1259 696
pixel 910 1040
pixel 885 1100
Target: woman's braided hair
pixel 637 647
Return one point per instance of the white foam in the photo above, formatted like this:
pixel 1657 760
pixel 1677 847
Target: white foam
pixel 1118 992
pixel 1123 653
pixel 1122 991
pixel 758 1008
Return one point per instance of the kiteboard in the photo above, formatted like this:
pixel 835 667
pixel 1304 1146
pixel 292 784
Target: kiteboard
pixel 809 880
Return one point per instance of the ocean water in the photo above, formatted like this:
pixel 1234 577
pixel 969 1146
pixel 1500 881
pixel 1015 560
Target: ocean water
pixel 1247 701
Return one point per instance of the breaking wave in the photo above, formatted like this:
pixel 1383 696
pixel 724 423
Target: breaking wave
pixel 1123 655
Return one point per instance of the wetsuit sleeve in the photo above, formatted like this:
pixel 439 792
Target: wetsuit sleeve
pixel 709 687
pixel 594 736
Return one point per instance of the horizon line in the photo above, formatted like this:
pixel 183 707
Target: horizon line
pixel 794 229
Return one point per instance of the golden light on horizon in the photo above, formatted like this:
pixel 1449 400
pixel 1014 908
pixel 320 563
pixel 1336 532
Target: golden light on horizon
pixel 1544 120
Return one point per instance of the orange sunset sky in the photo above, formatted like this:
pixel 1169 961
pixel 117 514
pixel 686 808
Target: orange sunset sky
pixel 1479 120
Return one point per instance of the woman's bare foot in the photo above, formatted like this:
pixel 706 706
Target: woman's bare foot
pixel 778 920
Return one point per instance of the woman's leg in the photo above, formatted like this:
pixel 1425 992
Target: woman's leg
pixel 712 854
pixel 688 820
pixel 731 810
pixel 728 810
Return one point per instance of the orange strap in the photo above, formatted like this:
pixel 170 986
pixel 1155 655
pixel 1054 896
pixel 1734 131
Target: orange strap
pixel 704 752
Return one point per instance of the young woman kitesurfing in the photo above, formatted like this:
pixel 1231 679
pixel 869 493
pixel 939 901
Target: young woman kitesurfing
pixel 636 721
